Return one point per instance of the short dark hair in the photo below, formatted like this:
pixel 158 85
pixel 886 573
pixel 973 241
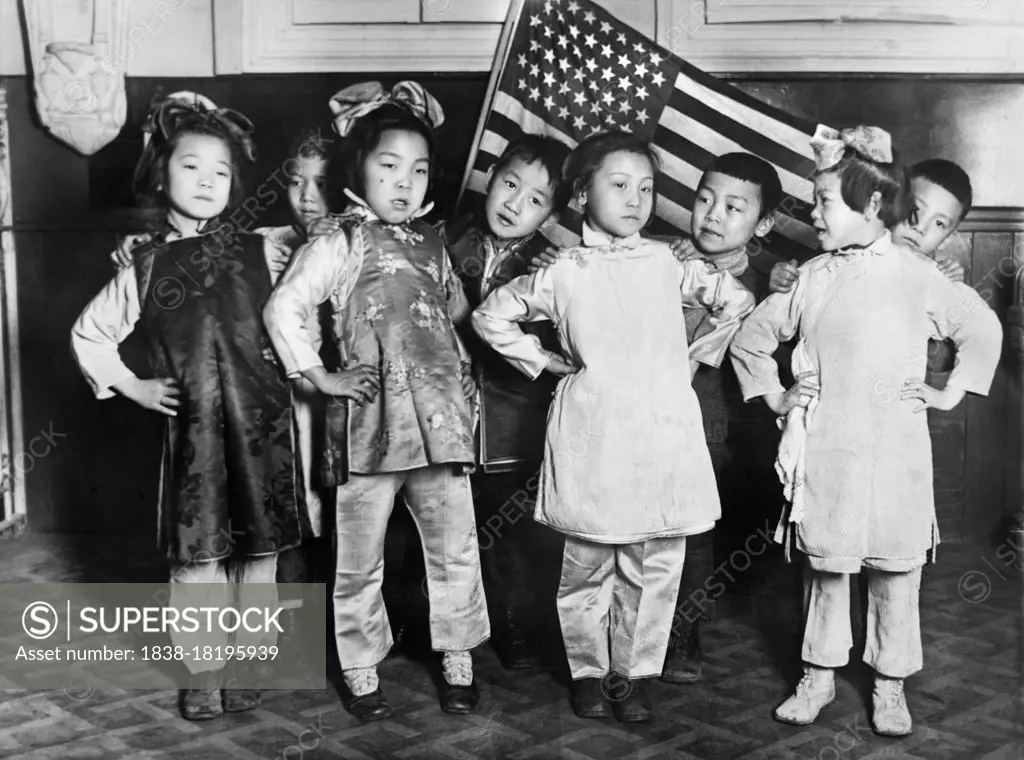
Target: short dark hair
pixel 538 149
pixel 311 143
pixel 149 183
pixel 584 162
pixel 860 178
pixel 366 135
pixel 948 175
pixel 749 168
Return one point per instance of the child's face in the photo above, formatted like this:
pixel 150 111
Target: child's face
pixel 937 213
pixel 726 214
pixel 837 224
pixel 307 180
pixel 519 199
pixel 199 176
pixel 396 174
pixel 621 194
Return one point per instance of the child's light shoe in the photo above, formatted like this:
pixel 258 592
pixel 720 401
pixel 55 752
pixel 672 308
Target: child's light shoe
pixel 816 689
pixel 890 715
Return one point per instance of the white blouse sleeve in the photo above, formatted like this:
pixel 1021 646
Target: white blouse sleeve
pixel 959 313
pixel 318 269
pixel 104 324
pixel 529 298
pixel 775 320
pixel 726 300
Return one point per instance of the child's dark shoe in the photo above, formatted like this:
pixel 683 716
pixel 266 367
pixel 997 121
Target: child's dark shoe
pixel 242 682
pixel 588 700
pixel 516 653
pixel 635 705
pixel 366 701
pixel 459 693
pixel 201 701
pixel 240 700
pixel 683 659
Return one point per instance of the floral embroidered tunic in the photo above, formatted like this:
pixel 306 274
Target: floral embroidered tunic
pixel 390 288
pixel 625 458
pixel 864 459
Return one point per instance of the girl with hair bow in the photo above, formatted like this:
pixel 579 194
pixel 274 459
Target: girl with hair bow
pixel 400 412
pixel 227 492
pixel 855 457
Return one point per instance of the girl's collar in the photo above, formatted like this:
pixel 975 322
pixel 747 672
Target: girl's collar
pixel 168 229
pixel 735 263
pixel 877 247
pixel 362 208
pixel 593 238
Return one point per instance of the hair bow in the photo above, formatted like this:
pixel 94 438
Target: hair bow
pixel 829 145
pixel 169 116
pixel 356 101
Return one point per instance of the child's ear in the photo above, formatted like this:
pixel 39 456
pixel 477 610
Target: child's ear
pixel 551 221
pixel 489 178
pixel 765 225
pixel 874 206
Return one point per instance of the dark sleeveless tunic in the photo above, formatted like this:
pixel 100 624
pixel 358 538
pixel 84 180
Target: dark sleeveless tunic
pixel 228 483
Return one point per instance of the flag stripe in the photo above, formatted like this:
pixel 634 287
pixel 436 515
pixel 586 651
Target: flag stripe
pixel 723 88
pixel 748 136
pixel 792 139
pixel 528 121
pixel 680 159
pixel 716 143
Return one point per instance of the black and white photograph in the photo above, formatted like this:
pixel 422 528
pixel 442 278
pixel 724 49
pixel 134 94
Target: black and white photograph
pixel 511 379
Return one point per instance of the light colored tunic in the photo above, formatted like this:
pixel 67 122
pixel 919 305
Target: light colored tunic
pixel 864 317
pixel 625 458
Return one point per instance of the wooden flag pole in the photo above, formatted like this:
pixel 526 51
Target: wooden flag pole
pixel 508 30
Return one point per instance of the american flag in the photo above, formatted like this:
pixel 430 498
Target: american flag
pixel 569 69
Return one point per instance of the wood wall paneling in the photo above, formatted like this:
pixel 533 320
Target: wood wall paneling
pixel 462 11
pixel 989 12
pixel 987 423
pixel 271 43
pixel 756 41
pixel 165 38
pixel 354 11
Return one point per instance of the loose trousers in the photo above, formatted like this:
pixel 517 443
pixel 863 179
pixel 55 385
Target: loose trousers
pixel 441 505
pixel 224 584
pixel 521 558
pixel 615 605
pixel 893 632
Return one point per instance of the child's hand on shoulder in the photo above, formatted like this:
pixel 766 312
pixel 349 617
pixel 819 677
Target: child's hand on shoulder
pixel 543 260
pixel 784 275
pixel 360 384
pixel 951 268
pixel 684 249
pixel 325 225
pixel 159 394
pixel 804 391
pixel 558 366
pixel 122 255
pixel 930 398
